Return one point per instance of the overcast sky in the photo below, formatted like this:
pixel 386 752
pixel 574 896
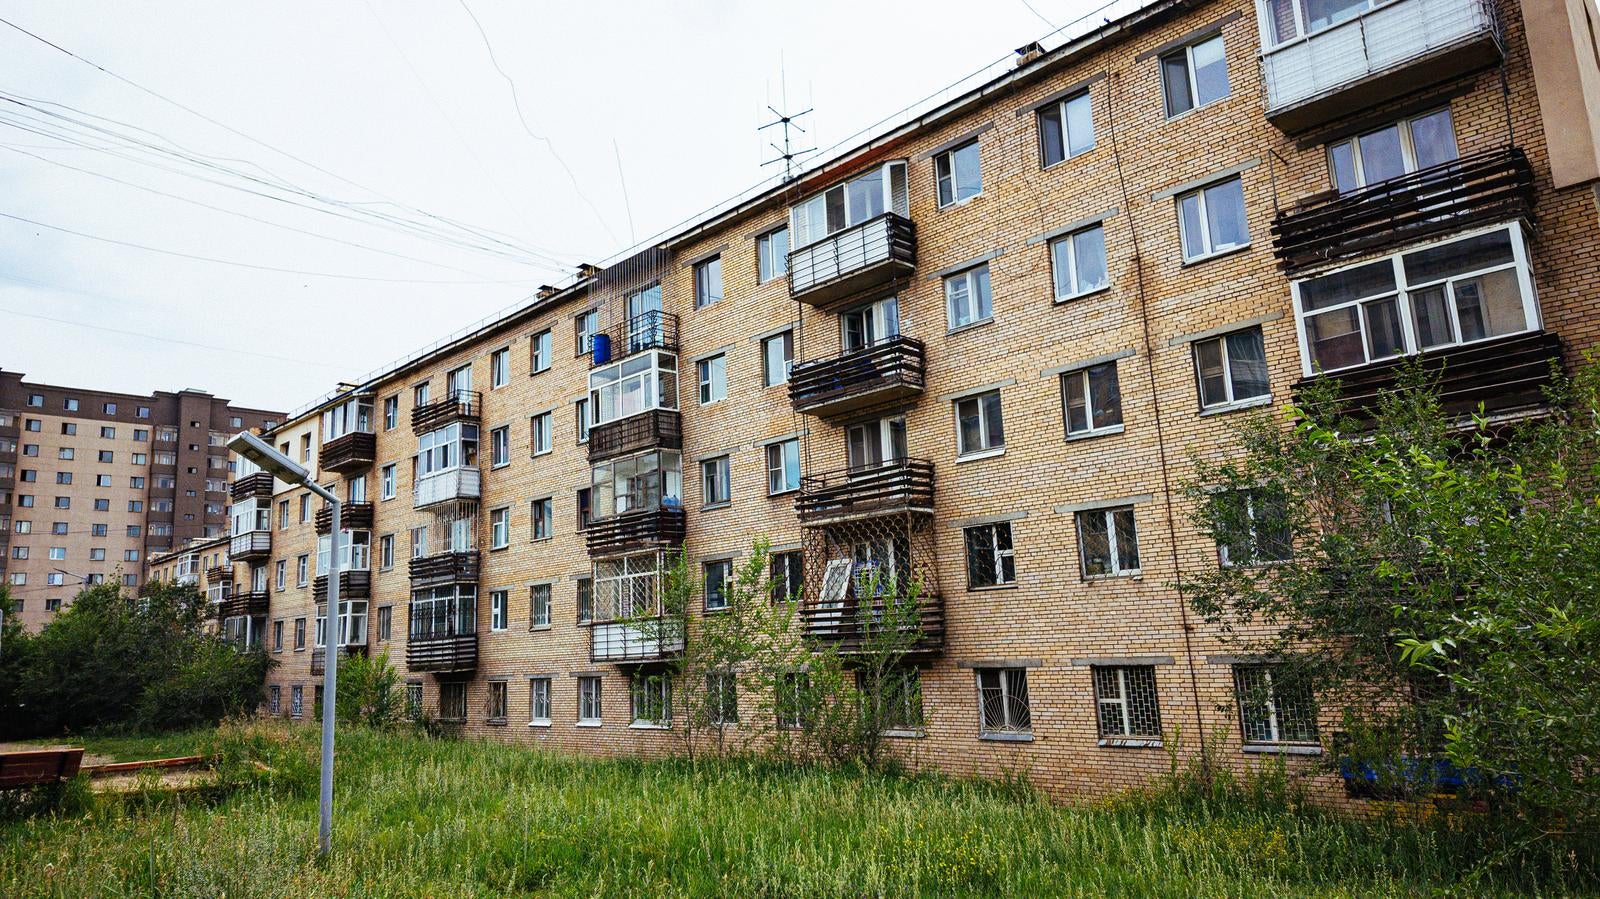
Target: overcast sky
pixel 397 101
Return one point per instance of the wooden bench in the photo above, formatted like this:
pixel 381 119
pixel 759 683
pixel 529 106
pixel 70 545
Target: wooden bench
pixel 32 768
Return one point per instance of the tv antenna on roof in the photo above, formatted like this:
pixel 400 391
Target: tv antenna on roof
pixel 787 154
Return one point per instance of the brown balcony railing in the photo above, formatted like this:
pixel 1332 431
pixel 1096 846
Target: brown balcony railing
pixel 849 624
pixel 888 371
pixel 1485 188
pixel 253 602
pixel 319 657
pixel 351 453
pixel 352 517
pixel 352 585
pixel 457 405
pixel 1505 375
pixel 858 258
pixel 218 573
pixel 445 568
pixel 443 654
pixel 252 485
pixel 656 429
pixel 902 486
pixel 250 546
pixel 642 529
pixel 652 330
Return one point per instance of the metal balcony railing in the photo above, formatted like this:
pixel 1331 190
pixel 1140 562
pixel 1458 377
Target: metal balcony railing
pixel 250 545
pixel 350 453
pixel 445 568
pixel 845 263
pixel 652 330
pixel 630 531
pixel 888 371
pixel 455 405
pixel 656 429
pixel 897 487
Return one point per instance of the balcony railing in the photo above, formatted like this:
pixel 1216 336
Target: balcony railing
pixel 841 265
pixel 889 371
pixel 445 568
pixel 443 654
pixel 250 545
pixel 656 429
pixel 253 602
pixel 652 330
pixel 1396 48
pixel 319 656
pixel 899 487
pixel 630 531
pixel 352 585
pixel 352 517
pixel 1493 186
pixel 615 641
pixel 351 453
pixel 446 487
pixel 1507 376
pixel 254 485
pixel 457 405
pixel 217 573
pixel 848 625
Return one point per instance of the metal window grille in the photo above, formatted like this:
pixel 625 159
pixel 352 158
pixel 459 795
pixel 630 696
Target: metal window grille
pixel 1003 700
pixel 1125 696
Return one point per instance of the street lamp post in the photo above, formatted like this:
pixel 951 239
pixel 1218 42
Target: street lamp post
pixel 285 469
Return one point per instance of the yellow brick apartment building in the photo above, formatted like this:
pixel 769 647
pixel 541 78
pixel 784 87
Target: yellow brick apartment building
pixel 983 350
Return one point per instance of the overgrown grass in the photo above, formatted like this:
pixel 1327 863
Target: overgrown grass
pixel 420 817
pixel 131 747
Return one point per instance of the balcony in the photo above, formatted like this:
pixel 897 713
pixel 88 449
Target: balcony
pixel 352 585
pixel 615 641
pixel 457 405
pixel 633 531
pixel 652 330
pixel 352 517
pixel 1488 187
pixel 319 657
pixel 447 487
pixel 445 568
pixel 237 604
pixel 1507 375
pixel 444 654
pixel 352 453
pixel 1394 49
pixel 900 487
pixel 656 429
pixel 250 546
pixel 218 573
pixel 888 372
pixel 252 486
pixel 849 624
pixel 842 265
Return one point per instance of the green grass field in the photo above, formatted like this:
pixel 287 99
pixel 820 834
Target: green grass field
pixel 420 817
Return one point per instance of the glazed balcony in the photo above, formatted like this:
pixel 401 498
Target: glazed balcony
pixel 352 517
pixel 445 568
pixel 250 546
pixel 352 585
pixel 633 643
pixel 843 264
pixel 656 429
pixel 350 454
pixel 900 487
pixel 252 486
pixel 1394 49
pixel 457 405
pixel 1507 375
pixel 633 531
pixel 319 657
pixel 849 625
pixel 1493 186
pixel 888 372
pixel 451 485
pixel 251 603
pixel 652 330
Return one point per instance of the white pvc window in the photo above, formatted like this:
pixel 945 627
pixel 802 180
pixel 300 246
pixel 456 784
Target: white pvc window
pixel 1211 220
pixel 453 446
pixel 1066 129
pixel 866 196
pixel 349 417
pixel 1394 150
pixel 958 174
pixel 1079 260
pixel 967 298
pixel 1194 76
pixel 637 384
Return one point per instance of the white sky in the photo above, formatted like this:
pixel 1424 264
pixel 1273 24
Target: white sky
pixel 401 97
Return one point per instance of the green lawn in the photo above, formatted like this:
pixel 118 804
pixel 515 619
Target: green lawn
pixel 420 817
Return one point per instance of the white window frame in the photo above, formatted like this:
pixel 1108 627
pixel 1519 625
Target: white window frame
pixel 1062 109
pixel 656 688
pixel 1189 68
pixel 542 433
pixel 1068 242
pixel 1108 514
pixel 1010 725
pixel 500 527
pixel 1084 377
pixel 945 174
pixel 778 457
pixel 1119 702
pixel 716 471
pixel 1208 249
pixel 499 609
pixel 541 516
pixel 539 605
pixel 386 481
pixel 986 449
pixel 1273 721
pixel 703 288
pixel 712 388
pixel 499 368
pixel 500 446
pixel 786 341
pixel 1231 401
pixel 541 350
pixel 770 265
pixel 539 701
pixel 591 701
pixel 997 556
pixel 970 301
pixel 1408 149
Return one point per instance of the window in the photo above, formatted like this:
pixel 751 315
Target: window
pixel 1392 151
pixel 54 579
pixel 63 477
pixel 898 698
pixel 979 427
pixel 585 507
pixel 69 428
pixel 1066 128
pixel 793 702
pixel 419 395
pixel 36 400
pixel 19 552
pixel 305 448
pixel 788 574
pixel 391 412
pixel 580 410
pixel 102 480
pixel 1125 698
pixel 385 623
pixel 450 447
pixel 302 568
pixel 453 701
pixel 1079 262
pixel 713 375
pixel 540 352
pixel 297 704
pixel 67 453
pixel 772 255
pixel 499 528
pixel 1211 220
pixel 1194 76
pixel 500 367
pixel 274 696
pixel 141 435
pixel 414 700
pixel 282 573
pixel 637 384
pixel 500 446
pixel 386 486
pixel 542 512
pixel 65 502
pixel 714 481
pixel 1257 520
pixel 1231 369
pixel 69 404
pixel 585 600
pixel 707 282
pixel 539 700
pixel 1091 400
pixel 718 578
pixel 777 357
pixel 419 542
pixel 783 467
pixel 652 699
pixel 990 562
pixel 499 609
pixel 108 433
pixel 1108 545
pixel 958 174
pixel 1453 292
pixel 305 508
pixel 299 633
pixel 589 700
pixel 32 424
pixel 966 297
pixel 584 326
pixel 1003 701
pixel 1273 706
pixel 52 605
pixel 542 428
pixel 130 555
pixel 538 606
pixel 722 698
pixel 283 514
pixel 23 527
pixel 1287 20
pixel 861 199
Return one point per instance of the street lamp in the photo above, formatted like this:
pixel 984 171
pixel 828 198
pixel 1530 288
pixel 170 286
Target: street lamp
pixel 287 470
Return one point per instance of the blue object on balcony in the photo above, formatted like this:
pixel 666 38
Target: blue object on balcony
pixel 602 348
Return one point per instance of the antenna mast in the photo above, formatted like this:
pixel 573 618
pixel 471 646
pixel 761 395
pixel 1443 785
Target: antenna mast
pixel 787 154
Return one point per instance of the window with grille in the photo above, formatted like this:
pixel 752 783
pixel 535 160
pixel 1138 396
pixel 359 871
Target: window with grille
pixel 1254 526
pixel 990 562
pixel 1003 701
pixel 539 605
pixel 496 709
pixel 722 697
pixel 793 701
pixel 652 699
pixel 588 700
pixel 1125 696
pixel 414 700
pixel 788 572
pixel 1273 707
pixel 897 699
pixel 539 700
pixel 453 701
pixel 1108 543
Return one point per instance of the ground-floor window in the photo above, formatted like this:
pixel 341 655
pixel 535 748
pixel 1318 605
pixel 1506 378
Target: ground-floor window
pixel 497 701
pixel 539 700
pixel 1003 701
pixel 589 700
pixel 297 700
pixel 414 700
pixel 722 697
pixel 897 699
pixel 1274 707
pixel 652 699
pixel 793 700
pixel 274 698
pixel 1125 697
pixel 453 701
